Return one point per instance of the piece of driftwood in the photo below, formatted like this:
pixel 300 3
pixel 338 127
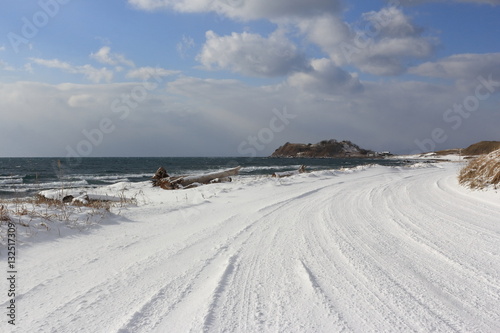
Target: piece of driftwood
pixel 159 174
pixel 302 169
pixel 172 183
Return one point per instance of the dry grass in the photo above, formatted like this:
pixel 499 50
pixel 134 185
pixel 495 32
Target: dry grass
pixel 480 148
pixel 34 215
pixel 38 211
pixel 4 214
pixel 448 152
pixel 482 172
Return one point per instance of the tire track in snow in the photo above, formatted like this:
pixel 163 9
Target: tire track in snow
pixel 160 307
pixel 366 245
pixel 460 265
pixel 231 244
pixel 222 284
pixel 338 323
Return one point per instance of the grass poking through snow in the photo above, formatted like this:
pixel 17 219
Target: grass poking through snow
pixel 482 172
pixel 34 215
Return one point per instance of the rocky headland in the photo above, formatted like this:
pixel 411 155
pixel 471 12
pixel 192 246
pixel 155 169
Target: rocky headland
pixel 324 149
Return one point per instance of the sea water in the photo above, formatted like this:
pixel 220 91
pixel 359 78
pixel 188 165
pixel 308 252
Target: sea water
pixel 21 177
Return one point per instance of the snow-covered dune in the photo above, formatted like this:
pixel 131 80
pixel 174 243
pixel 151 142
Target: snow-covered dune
pixel 373 249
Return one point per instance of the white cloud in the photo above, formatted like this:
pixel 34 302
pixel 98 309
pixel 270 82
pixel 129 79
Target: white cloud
pixel 277 9
pixel 91 73
pixel 383 116
pixel 95 74
pixel 146 73
pixel 54 63
pixel 105 56
pixel 325 78
pixel 390 22
pixel 461 66
pixel 251 54
pixel 391 56
pixel 244 9
pixel 384 43
pixel 80 100
pixel 326 30
pixel 202 117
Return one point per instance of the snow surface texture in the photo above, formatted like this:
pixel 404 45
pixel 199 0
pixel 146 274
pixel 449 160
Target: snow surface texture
pixel 371 249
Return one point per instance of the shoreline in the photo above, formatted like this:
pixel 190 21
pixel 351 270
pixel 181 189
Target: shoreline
pixel 18 181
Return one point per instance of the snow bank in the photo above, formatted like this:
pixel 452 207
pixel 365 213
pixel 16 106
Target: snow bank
pixel 98 193
pixel 373 249
pixel 429 157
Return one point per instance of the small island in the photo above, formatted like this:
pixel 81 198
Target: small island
pixel 325 149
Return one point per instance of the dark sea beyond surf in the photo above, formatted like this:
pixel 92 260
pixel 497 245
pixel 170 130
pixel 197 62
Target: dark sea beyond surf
pixel 21 177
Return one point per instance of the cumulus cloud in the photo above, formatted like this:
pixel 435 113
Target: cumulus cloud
pixel 391 56
pixel 105 56
pixel 146 73
pixel 385 43
pixel 326 30
pixel 382 43
pixel 461 66
pixel 325 78
pixel 91 73
pixel 390 22
pixel 251 54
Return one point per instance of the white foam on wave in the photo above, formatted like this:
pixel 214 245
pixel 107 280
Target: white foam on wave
pixel 9 181
pixel 36 186
pixel 120 177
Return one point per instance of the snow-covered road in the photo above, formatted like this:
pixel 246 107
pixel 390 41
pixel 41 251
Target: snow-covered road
pixel 382 249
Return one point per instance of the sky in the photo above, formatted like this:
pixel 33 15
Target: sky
pixel 242 77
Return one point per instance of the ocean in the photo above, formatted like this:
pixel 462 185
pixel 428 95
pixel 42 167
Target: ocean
pixel 22 177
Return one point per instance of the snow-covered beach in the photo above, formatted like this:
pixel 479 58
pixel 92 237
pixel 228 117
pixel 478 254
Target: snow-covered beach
pixel 389 249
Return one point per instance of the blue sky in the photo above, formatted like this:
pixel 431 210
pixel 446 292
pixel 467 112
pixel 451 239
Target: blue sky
pixel 241 77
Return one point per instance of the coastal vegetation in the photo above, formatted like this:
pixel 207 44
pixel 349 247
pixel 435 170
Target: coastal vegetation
pixel 482 172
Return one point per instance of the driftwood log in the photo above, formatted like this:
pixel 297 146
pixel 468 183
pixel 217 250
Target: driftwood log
pixel 171 183
pixel 302 169
pixel 159 175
